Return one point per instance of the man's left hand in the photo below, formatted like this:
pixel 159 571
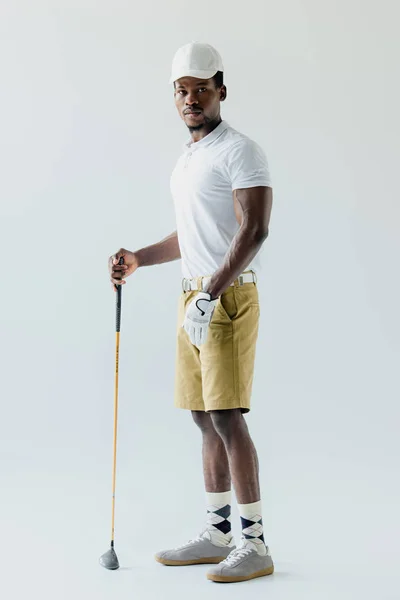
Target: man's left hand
pixel 198 317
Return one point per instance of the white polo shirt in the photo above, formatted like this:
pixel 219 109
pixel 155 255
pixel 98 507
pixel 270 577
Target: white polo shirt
pixel 202 184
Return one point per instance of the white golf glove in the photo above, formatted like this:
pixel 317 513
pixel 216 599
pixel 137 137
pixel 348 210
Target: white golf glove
pixel 198 317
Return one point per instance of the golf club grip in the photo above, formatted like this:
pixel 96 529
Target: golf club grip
pixel 119 301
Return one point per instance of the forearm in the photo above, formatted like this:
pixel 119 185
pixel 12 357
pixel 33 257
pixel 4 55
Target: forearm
pixel 245 245
pixel 166 250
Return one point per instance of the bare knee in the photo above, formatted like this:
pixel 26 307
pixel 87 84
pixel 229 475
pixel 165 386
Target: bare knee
pixel 202 420
pixel 227 422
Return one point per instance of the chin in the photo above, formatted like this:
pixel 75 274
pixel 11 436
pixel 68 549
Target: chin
pixel 194 123
pixel 195 127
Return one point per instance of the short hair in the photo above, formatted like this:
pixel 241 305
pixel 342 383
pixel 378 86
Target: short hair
pixel 219 79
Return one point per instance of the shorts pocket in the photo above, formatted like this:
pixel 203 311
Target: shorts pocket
pixel 227 305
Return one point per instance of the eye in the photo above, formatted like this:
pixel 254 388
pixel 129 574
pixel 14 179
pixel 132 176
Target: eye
pixel 181 92
pixel 202 89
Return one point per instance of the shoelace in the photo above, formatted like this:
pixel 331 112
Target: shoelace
pixel 235 555
pixel 199 538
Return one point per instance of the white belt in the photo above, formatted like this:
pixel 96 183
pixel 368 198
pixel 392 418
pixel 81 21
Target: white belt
pixel 199 283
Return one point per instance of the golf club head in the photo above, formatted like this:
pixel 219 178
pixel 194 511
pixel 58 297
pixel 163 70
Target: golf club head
pixel 109 560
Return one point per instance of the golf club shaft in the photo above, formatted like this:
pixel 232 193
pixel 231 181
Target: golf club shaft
pixel 117 334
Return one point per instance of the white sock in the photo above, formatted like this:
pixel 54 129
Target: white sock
pixel 252 525
pixel 219 517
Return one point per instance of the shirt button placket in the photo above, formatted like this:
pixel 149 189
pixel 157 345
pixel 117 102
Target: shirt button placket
pixel 188 159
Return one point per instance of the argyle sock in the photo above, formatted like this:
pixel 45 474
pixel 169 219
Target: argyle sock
pixel 219 517
pixel 252 525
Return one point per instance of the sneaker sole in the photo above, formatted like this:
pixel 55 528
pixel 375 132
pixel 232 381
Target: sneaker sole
pixel 197 561
pixel 232 579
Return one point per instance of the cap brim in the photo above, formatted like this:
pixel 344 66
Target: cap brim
pixel 197 74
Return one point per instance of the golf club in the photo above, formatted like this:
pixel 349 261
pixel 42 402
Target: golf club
pixel 109 559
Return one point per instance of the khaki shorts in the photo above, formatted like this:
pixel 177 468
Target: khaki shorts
pixel 218 375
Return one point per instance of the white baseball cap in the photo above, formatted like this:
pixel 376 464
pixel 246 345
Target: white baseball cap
pixel 196 60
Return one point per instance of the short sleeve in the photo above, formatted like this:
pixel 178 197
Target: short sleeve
pixel 247 165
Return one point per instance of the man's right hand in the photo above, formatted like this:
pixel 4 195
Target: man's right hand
pixel 117 271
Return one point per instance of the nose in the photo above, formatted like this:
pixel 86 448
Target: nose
pixel 191 99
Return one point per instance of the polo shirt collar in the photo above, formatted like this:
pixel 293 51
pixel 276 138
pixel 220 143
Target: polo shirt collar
pixel 208 139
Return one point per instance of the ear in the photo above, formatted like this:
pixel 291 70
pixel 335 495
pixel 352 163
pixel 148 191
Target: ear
pixel 223 93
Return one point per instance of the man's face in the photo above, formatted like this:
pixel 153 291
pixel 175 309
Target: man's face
pixel 198 101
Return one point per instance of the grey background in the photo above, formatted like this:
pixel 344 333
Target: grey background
pixel 89 136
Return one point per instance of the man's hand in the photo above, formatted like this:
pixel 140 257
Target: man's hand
pixel 198 317
pixel 117 272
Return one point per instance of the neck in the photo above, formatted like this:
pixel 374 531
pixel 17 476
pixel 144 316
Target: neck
pixel 199 134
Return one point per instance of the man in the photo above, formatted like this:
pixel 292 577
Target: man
pixel 223 198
